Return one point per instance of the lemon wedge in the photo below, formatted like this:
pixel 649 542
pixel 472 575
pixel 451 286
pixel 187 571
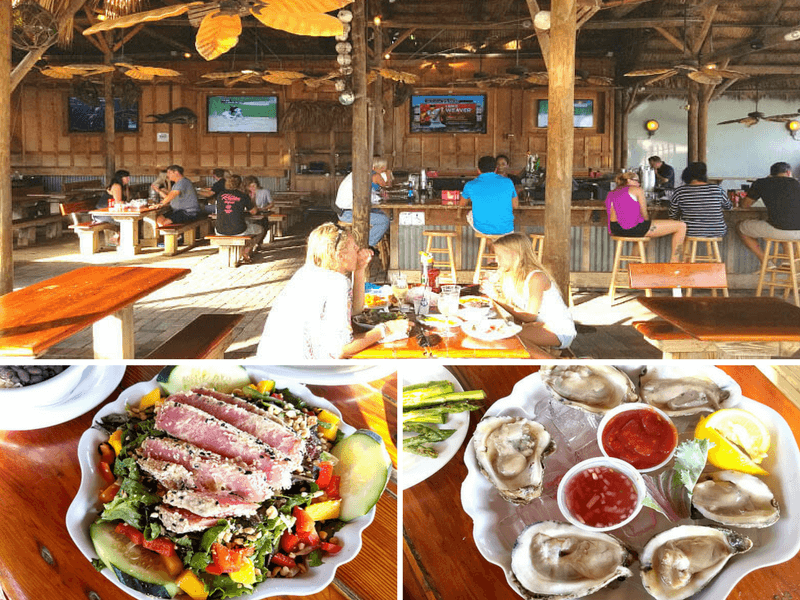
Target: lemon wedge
pixel 740 440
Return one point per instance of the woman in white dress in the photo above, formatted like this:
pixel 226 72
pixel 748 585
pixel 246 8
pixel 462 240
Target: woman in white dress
pixel 527 291
pixel 310 318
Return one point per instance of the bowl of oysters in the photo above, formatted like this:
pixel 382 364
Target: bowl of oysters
pixel 718 509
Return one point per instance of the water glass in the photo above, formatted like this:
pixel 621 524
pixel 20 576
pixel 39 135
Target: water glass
pixel 449 300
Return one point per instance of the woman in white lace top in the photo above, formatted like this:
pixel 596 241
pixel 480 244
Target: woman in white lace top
pixel 310 318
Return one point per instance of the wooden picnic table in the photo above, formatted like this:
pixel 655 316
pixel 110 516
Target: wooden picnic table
pixel 132 236
pixel 39 476
pixel 440 558
pixel 770 321
pixel 39 316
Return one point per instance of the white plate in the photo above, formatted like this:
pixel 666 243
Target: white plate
pixel 491 330
pixel 85 507
pixel 496 523
pixel 334 374
pixel 415 468
pixel 440 321
pixel 96 383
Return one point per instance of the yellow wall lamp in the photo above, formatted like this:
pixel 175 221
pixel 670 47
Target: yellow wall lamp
pixel 793 126
pixel 651 125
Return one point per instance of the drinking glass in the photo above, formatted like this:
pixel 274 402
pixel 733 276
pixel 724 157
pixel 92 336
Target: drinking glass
pixel 400 288
pixel 449 303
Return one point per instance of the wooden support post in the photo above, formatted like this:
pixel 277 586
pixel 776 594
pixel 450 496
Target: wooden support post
pixel 560 141
pixel 108 92
pixel 6 234
pixel 703 100
pixel 693 122
pixel 362 162
pixel 377 97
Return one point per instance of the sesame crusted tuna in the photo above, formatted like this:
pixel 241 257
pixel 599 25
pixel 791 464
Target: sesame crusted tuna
pixel 209 433
pixel 180 520
pixel 211 504
pixel 279 436
pixel 179 465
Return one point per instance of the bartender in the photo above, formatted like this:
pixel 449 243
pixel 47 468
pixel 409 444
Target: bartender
pixel 665 174
pixel 503 163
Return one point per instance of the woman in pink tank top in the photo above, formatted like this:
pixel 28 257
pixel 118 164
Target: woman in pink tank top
pixel 626 207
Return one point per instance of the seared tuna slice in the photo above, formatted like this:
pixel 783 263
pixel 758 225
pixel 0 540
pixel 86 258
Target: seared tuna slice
pixel 288 418
pixel 270 432
pixel 178 465
pixel 209 433
pixel 211 504
pixel 179 520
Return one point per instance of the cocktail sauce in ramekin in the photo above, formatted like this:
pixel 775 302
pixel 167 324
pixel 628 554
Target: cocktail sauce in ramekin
pixel 641 435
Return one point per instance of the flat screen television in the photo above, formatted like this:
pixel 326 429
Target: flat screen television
pixel 88 118
pixel 242 114
pixel 448 114
pixel 583 118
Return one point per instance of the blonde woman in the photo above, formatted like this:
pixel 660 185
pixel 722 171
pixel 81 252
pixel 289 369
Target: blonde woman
pixel 527 291
pixel 626 207
pixel 310 318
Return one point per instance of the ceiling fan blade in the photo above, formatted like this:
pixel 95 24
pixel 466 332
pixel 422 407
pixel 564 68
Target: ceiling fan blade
pixel 705 77
pixel 143 73
pixel 538 78
pixel 218 33
pixel 397 75
pixel 732 121
pixel 729 74
pixel 647 72
pixel 149 15
pixel 286 74
pixel 662 77
pixel 75 70
pixel 307 6
pixel 221 75
pixel 57 73
pixel 782 118
pixel 298 23
pixel 599 81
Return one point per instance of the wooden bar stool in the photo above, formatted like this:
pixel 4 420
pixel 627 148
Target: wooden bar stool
pixel 712 255
pixel 484 255
pixel 620 271
pixel 383 249
pixel 436 252
pixel 785 255
pixel 537 239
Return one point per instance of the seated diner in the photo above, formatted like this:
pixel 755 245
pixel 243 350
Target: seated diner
pixel 310 318
pixel 699 204
pixel 232 206
pixel 181 200
pixel 626 209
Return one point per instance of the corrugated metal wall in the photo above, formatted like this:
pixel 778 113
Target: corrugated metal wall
pixel 53 183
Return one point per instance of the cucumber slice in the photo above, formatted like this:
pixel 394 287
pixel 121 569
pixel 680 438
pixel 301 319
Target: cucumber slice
pixel 364 466
pixel 135 566
pixel 221 377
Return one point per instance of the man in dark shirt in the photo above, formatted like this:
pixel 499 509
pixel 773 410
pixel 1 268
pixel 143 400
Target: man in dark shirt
pixel 665 174
pixel 232 206
pixel 781 195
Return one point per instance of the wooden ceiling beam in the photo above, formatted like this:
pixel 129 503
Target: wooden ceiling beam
pixel 400 39
pixel 710 11
pixel 512 26
pixel 542 35
pixel 128 36
pixel 774 38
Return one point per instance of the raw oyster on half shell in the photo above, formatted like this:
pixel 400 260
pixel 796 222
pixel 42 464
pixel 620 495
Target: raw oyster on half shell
pixel 510 452
pixel 593 388
pixel 558 561
pixel 735 499
pixel 681 396
pixel 679 562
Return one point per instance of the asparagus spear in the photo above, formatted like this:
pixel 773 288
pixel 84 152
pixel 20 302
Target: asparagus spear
pixel 413 394
pixel 448 407
pixel 422 451
pixel 435 419
pixel 426 433
pixel 441 398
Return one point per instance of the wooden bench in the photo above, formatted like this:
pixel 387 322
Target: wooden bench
pixel 671 340
pixel 26 228
pixel 192 232
pixel 89 232
pixel 231 247
pixel 208 336
pixel 81 185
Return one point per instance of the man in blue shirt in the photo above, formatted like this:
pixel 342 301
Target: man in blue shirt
pixel 493 200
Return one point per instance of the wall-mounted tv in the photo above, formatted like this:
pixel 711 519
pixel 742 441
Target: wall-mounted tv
pixel 242 114
pixel 583 119
pixel 88 118
pixel 448 114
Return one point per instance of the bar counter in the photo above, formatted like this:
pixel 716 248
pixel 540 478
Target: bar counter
pixel 592 248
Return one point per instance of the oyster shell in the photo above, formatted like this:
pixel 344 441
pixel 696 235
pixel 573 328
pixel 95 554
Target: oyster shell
pixel 735 499
pixel 510 452
pixel 681 396
pixel 558 561
pixel 593 388
pixel 679 562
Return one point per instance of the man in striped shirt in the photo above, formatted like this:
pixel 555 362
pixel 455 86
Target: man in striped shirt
pixel 781 195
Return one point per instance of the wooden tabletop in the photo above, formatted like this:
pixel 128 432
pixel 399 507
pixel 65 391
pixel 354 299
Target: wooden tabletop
pixel 459 345
pixel 440 559
pixel 39 476
pixel 38 316
pixel 734 319
pixel 126 213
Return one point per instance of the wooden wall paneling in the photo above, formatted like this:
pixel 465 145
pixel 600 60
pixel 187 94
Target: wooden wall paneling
pixel 448 158
pixel 257 150
pixel 239 155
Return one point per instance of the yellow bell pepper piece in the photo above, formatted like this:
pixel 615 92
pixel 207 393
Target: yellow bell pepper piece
pixel 115 441
pixel 321 511
pixel 332 421
pixel 150 399
pixel 191 584
pixel 266 386
pixel 246 575
pixel 251 386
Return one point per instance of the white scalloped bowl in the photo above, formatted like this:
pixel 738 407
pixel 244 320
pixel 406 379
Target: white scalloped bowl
pixel 85 506
pixel 46 393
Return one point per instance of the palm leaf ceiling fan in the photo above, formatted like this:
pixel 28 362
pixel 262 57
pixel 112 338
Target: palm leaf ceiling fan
pixel 707 75
pixel 138 72
pixel 754 117
pixel 219 22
